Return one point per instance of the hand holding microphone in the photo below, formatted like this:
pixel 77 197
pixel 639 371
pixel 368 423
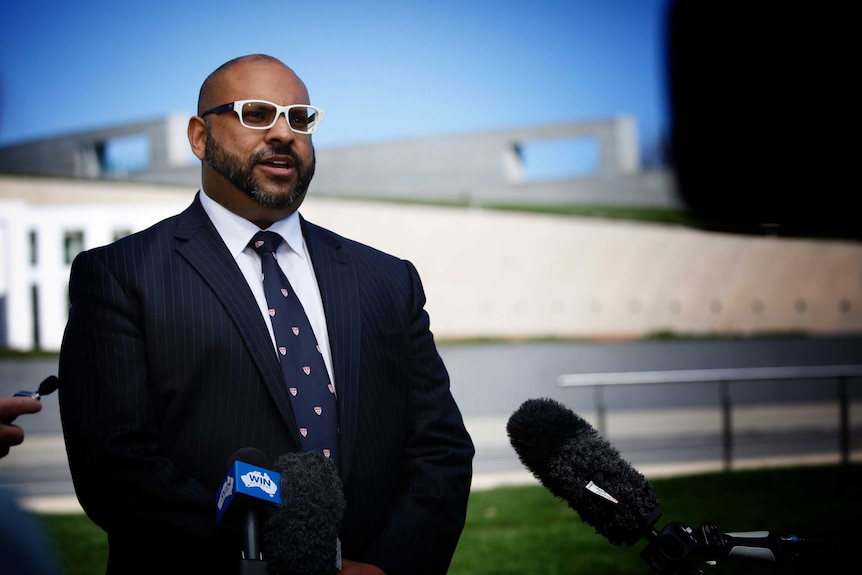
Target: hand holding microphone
pixel 49 385
pixel 22 402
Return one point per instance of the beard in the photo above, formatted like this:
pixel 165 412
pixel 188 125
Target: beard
pixel 240 173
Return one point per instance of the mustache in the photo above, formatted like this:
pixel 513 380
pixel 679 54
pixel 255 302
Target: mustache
pixel 262 155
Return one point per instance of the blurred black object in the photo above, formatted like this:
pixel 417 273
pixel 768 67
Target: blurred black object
pixel 49 385
pixel 24 546
pixel 762 113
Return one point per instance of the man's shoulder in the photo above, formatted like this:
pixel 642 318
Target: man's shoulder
pixel 318 236
pixel 161 229
pixel 152 237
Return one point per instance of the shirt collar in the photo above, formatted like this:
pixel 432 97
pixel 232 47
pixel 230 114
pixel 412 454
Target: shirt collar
pixel 236 231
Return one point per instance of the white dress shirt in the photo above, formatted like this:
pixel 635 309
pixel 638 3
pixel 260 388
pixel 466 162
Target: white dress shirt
pixel 292 256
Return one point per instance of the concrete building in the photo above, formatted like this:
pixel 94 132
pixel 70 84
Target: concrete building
pixel 489 166
pixel 486 273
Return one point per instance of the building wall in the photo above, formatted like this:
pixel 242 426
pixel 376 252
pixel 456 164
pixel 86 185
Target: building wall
pixel 486 273
pixel 50 209
pixel 81 155
pixel 480 167
pixel 509 275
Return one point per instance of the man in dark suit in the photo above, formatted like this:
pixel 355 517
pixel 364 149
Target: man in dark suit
pixel 169 363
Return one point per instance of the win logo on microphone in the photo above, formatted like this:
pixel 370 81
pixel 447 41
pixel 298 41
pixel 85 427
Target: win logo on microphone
pixel 248 484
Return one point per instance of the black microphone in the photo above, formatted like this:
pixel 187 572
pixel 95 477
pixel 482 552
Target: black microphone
pixel 571 459
pixel 301 535
pixel 580 467
pixel 248 490
pixel 48 385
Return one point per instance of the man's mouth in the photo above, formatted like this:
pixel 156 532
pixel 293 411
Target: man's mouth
pixel 277 164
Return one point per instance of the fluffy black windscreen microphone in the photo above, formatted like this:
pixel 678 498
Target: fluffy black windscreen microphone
pixel 299 537
pixel 572 461
pixel 250 455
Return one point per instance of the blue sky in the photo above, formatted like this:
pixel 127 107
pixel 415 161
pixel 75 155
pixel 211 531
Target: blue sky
pixel 380 69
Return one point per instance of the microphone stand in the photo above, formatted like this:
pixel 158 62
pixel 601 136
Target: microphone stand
pixel 671 550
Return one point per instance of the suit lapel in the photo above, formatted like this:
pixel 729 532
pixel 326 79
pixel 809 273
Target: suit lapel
pixel 200 245
pixel 339 290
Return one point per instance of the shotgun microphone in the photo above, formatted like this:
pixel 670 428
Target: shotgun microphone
pixel 571 459
pixel 576 464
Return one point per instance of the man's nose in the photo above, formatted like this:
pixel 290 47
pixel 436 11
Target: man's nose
pixel 281 129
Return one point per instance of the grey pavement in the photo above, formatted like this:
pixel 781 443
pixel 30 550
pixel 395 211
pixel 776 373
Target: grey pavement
pixel 678 442
pixel 661 431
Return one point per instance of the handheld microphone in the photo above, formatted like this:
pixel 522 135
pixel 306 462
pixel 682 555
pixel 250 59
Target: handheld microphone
pixel 577 465
pixel 248 489
pixel 301 534
pixel 49 385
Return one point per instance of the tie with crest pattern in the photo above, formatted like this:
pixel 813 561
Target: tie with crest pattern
pixel 311 392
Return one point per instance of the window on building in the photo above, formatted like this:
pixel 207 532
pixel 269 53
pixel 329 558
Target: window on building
pixel 561 158
pixel 124 155
pixel 34 310
pixel 73 244
pixel 4 334
pixel 34 248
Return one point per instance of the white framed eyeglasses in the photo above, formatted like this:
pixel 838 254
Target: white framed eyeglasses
pixel 262 115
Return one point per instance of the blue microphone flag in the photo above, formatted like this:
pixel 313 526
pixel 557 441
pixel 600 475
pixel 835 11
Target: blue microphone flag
pixel 248 485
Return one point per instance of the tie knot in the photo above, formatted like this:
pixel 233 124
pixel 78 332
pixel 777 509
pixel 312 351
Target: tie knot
pixel 265 242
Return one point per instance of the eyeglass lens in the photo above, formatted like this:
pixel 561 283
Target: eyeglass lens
pixel 263 115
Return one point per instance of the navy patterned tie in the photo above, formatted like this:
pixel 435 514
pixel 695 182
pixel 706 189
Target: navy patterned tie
pixel 311 392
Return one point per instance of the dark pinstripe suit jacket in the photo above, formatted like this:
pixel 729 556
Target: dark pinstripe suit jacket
pixel 167 369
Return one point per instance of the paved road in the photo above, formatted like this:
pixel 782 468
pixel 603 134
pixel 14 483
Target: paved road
pixel 490 381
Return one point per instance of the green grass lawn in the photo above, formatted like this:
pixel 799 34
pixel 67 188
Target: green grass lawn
pixel 525 530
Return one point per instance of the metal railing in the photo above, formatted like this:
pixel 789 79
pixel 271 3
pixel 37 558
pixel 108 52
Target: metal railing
pixel 723 377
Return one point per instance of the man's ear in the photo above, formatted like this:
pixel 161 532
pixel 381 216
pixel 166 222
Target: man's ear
pixel 198 136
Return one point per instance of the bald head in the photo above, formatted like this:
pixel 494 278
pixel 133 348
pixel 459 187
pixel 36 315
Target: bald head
pixel 209 93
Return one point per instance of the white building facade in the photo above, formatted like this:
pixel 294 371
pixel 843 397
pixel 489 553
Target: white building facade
pixel 486 273
pixel 44 223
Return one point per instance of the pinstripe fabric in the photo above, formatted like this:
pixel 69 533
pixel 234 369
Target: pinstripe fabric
pixel 167 369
